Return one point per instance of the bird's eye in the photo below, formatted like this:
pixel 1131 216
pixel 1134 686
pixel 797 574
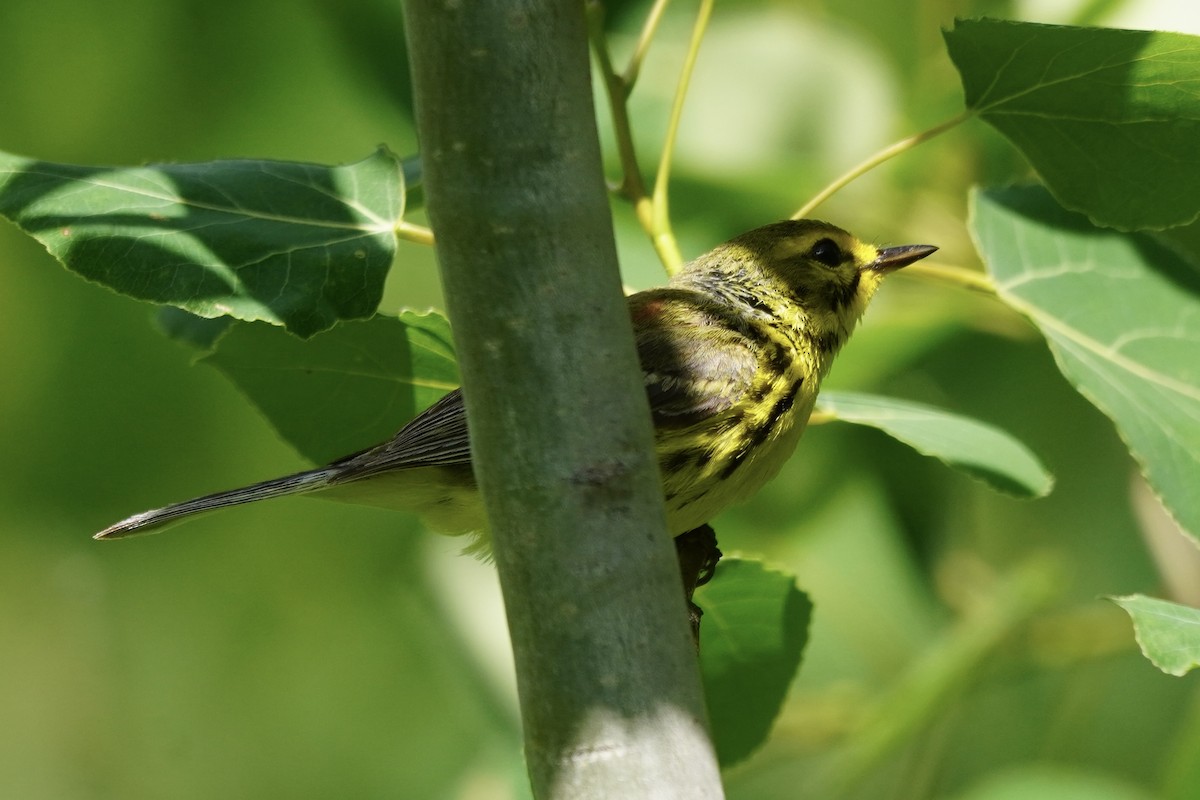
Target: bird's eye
pixel 827 252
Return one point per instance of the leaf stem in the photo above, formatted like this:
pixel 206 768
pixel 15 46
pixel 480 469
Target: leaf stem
pixel 883 155
pixel 643 44
pixel 663 238
pixel 956 276
pixel 652 209
pixel 959 276
pixel 413 233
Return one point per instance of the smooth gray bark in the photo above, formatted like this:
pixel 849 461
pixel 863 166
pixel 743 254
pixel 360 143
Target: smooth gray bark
pixel 609 684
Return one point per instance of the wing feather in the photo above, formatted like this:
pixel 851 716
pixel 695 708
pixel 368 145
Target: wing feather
pixel 696 359
pixel 696 363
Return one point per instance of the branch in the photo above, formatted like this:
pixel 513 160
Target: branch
pixel 606 669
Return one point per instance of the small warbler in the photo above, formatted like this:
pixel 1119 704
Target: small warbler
pixel 732 351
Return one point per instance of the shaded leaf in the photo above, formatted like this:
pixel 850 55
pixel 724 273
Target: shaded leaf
pixel 1168 633
pixel 1122 315
pixel 345 389
pixel 185 327
pixel 753 634
pixel 298 245
pixel 1086 102
pixel 976 448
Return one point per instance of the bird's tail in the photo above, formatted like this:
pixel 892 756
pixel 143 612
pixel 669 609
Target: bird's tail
pixel 159 518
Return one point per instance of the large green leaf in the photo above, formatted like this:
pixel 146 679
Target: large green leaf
pixel 1168 633
pixel 980 450
pixel 753 634
pixel 1122 315
pixel 299 245
pixel 345 389
pixel 1109 118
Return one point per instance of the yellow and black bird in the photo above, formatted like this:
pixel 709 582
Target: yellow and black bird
pixel 733 351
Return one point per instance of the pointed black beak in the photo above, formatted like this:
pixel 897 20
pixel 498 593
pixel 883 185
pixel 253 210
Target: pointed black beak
pixel 893 258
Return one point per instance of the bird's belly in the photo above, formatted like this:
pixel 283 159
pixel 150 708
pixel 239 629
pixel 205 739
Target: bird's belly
pixel 694 499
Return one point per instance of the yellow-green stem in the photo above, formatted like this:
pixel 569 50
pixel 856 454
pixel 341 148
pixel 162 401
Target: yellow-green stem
pixel 664 239
pixel 413 233
pixel 956 276
pixel 883 155
pixel 643 44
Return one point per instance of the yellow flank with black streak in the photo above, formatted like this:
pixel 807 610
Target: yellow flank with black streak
pixel 733 351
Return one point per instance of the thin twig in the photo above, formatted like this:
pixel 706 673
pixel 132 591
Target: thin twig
pixel 643 44
pixel 617 90
pixel 652 210
pixel 877 159
pixel 956 276
pixel 664 240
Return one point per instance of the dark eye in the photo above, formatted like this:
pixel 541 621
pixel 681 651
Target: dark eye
pixel 827 252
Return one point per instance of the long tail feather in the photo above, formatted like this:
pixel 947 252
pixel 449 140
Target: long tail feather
pixel 159 518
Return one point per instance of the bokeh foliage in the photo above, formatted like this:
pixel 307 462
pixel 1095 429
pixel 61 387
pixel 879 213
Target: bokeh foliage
pixel 958 647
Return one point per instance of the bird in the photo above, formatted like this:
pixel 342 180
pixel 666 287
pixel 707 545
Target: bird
pixel 732 351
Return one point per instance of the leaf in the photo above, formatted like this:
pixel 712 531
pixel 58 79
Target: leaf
pixel 752 636
pixel 187 328
pixel 298 245
pixel 1047 781
pixel 344 390
pixel 1122 315
pixel 980 450
pixel 1109 118
pixel 1168 633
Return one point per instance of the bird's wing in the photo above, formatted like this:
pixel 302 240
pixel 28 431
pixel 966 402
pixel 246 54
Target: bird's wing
pixel 695 364
pixel 696 360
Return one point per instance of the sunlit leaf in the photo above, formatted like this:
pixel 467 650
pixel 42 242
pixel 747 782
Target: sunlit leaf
pixel 752 636
pixel 1168 633
pixel 298 245
pixel 1045 781
pixel 980 450
pixel 1122 315
pixel 1109 118
pixel 345 389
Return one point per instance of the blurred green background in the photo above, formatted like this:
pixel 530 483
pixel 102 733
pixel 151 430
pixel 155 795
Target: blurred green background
pixel 309 650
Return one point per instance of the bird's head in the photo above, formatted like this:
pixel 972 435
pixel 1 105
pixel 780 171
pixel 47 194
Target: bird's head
pixel 807 273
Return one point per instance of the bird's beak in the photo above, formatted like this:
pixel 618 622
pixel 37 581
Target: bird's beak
pixel 891 259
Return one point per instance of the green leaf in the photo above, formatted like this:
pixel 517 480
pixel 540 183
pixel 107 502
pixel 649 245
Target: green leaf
pixel 980 450
pixel 1045 781
pixel 752 636
pixel 185 327
pixel 344 390
pixel 298 245
pixel 1122 315
pixel 1168 633
pixel 1109 118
